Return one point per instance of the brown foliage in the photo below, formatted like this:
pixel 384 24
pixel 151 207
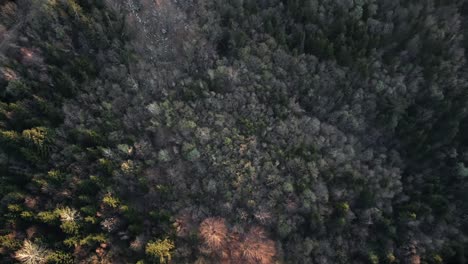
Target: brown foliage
pixel 31 231
pixel 214 231
pixel 233 253
pixel 415 259
pixel 8 10
pixel 30 202
pixel 257 248
pixel 184 224
pixel 234 247
pixel 8 74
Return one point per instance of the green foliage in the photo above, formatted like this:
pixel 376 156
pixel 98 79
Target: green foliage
pixel 69 227
pixel 111 200
pixel 437 259
pixel 12 197
pixel 48 217
pixel 391 258
pixel 373 258
pixel 89 240
pixel 39 137
pixel 462 170
pixel 9 243
pixel 10 138
pixel 284 229
pixel 60 257
pixel 160 249
pixel 55 177
pixel 87 137
pixel 105 166
pixel 15 208
pixel 124 148
pixel 342 208
pixel 88 210
pixel 288 187
pixel 27 215
pixel 17 90
pixel 164 156
pixel 190 152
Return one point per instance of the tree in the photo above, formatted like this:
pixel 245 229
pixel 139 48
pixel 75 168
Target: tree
pixel 32 253
pixel 213 232
pixel 160 249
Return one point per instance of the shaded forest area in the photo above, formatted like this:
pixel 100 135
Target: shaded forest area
pixel 233 131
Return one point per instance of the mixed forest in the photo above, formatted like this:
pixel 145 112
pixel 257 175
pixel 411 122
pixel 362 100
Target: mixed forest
pixel 234 131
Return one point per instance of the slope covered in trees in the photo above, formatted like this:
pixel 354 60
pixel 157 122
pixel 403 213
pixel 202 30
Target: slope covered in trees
pixel 239 131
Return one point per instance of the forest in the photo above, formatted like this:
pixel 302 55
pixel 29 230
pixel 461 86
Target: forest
pixel 234 131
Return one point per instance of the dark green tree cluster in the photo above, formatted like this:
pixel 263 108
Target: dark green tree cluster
pixel 59 204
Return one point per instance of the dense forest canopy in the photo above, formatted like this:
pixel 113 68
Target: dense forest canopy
pixel 234 131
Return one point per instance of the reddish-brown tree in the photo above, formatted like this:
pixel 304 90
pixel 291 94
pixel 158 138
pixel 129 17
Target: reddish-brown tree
pixel 257 248
pixel 214 232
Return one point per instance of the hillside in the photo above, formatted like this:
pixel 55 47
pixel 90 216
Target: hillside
pixel 235 131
